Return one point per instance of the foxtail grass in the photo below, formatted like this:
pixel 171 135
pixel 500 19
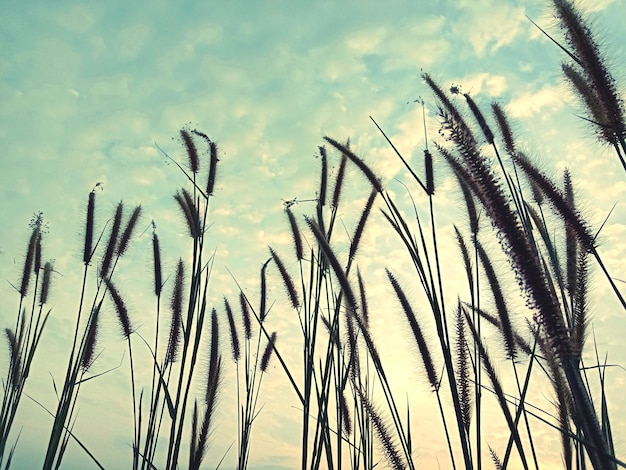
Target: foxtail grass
pixel 342 383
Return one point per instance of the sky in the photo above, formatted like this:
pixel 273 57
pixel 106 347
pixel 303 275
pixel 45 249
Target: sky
pixel 91 92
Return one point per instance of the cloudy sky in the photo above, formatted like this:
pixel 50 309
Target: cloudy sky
pixel 88 91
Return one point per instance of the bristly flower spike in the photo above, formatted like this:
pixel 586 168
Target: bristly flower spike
pixel 115 229
pixel 128 231
pixel 234 338
pixel 192 151
pixel 267 354
pixel 91 204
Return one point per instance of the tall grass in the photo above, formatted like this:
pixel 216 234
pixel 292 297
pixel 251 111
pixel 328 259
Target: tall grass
pixel 351 415
pixel 23 339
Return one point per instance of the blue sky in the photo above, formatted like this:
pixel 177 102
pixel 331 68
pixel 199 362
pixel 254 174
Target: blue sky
pixel 88 90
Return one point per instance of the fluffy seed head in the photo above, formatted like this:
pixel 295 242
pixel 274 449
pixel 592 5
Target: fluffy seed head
pixel 267 354
pixel 501 306
pixel 214 357
pixel 15 357
pixel 594 71
pixel 287 281
pixel 91 204
pixel 128 231
pixel 345 414
pixel 428 167
pixel 212 168
pixel 45 285
pixel 29 261
pixel 367 171
pixel 120 308
pixel 558 200
pixel 480 119
pixel 323 177
pixel 358 233
pixel 177 312
pixel 462 370
pixel 263 306
pixel 364 309
pixel 37 259
pixel 417 331
pixel 295 233
pixel 115 229
pixel 192 151
pixel 245 315
pixel 158 276
pixel 505 127
pixel 234 338
pixel 339 182
pixel 92 339
pixel 387 443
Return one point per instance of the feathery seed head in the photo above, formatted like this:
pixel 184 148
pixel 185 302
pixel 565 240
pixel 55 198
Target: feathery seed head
pixel 122 246
pixel 263 305
pixel 504 126
pixel 287 281
pixel 92 338
pixel 267 354
pixel 190 211
pixel 339 182
pixel 120 308
pixel 558 200
pixel 214 357
pixel 360 228
pixel 346 421
pixel 192 151
pixel 15 362
pixel 29 261
pixel 110 250
pixel 462 370
pixel 156 254
pixel 323 177
pixel 480 119
pixel 599 81
pixel 177 313
pixel 234 338
pixel 428 167
pixel 295 234
pixel 501 306
pixel 364 309
pixel 91 204
pixel 417 331
pixel 45 285
pixel 245 315
pixel 388 445
pixel 212 168
pixel 367 171
pixel 37 258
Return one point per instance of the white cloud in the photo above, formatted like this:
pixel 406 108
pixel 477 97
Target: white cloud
pixel 531 103
pixel 366 41
pixel 484 84
pixel 488 28
pixel 133 39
